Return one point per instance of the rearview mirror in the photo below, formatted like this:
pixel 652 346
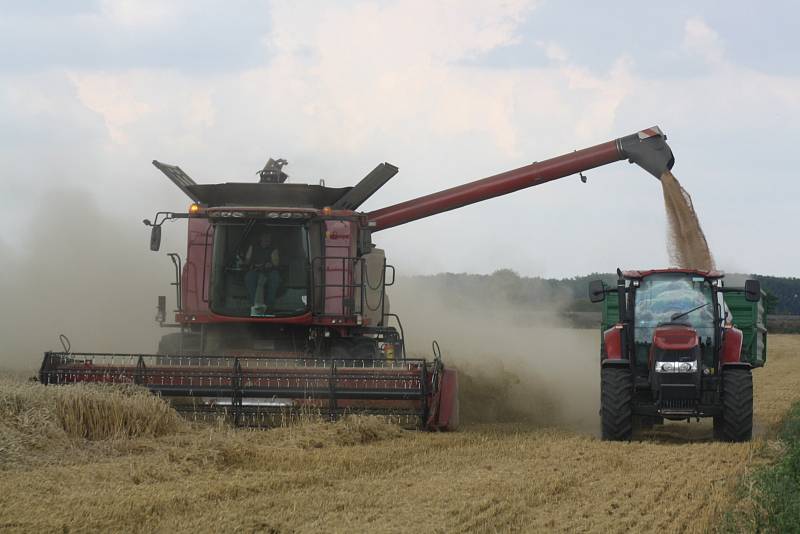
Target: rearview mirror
pixel 597 291
pixel 155 238
pixel 752 290
pixel 387 280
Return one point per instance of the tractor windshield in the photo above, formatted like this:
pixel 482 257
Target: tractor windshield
pixel 661 297
pixel 259 269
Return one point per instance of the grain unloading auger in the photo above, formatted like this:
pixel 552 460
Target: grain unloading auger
pixel 281 299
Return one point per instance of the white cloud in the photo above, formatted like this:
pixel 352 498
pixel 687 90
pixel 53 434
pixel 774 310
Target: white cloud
pixel 553 51
pixel 112 97
pixel 700 39
pixel 140 14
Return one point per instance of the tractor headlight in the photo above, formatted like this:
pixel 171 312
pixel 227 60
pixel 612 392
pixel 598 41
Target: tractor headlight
pixel 676 367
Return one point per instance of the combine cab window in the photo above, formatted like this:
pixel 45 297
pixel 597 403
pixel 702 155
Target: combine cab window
pixel 259 269
pixel 661 296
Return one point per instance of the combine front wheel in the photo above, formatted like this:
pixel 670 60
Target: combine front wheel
pixel 736 422
pixel 616 403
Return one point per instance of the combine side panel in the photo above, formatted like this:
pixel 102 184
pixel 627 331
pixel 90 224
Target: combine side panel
pixel 197 269
pixel 447 416
pixel 338 287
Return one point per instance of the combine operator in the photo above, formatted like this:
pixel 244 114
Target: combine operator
pixel 263 279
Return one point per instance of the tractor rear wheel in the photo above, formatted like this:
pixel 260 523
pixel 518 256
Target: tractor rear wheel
pixel 736 422
pixel 616 403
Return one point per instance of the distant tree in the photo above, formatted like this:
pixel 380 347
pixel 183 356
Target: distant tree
pixel 770 302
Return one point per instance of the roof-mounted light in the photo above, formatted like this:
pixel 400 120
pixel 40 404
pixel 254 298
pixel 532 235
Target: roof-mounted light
pixel 194 209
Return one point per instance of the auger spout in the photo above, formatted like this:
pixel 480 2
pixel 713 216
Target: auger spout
pixel 647 148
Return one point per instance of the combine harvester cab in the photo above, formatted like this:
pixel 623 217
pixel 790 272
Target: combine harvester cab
pixel 281 297
pixel 678 344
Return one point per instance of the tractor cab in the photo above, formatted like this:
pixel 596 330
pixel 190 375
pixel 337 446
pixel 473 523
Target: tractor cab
pixel 668 306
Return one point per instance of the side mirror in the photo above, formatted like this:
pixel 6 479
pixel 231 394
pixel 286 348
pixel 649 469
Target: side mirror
pixel 389 281
pixel 155 238
pixel 752 290
pixel 597 291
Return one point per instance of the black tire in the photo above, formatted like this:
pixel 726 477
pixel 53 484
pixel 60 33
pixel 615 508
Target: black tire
pixel 616 403
pixel 736 422
pixel 341 349
pixel 365 349
pixel 355 348
pixel 643 422
pixel 170 343
pixel 718 428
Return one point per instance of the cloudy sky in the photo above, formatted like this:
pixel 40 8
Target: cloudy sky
pixel 92 91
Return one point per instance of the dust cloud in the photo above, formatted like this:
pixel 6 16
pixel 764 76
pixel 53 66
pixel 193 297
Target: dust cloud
pixel 686 242
pixel 83 273
pixel 515 364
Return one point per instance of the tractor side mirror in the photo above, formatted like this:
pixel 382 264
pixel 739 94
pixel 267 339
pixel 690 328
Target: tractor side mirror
pixel 597 291
pixel 752 290
pixel 155 238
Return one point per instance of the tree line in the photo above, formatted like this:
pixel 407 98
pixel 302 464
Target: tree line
pixel 572 294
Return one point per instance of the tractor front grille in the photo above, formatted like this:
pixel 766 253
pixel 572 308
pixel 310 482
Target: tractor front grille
pixel 662 355
pixel 678 405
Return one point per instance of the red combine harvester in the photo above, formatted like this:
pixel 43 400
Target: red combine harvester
pixel 281 300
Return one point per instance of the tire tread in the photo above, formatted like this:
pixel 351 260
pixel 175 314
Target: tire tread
pixel 616 403
pixel 736 424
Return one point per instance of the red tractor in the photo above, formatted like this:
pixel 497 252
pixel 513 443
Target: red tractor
pixel 281 298
pixel 678 344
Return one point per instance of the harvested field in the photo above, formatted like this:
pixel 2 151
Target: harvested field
pixel 364 475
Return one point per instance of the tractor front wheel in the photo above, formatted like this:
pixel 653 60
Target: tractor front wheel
pixel 736 422
pixel 616 403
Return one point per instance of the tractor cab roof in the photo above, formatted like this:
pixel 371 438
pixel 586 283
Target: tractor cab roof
pixel 637 275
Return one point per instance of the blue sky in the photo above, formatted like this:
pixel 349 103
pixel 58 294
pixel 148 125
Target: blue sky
pixel 91 92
